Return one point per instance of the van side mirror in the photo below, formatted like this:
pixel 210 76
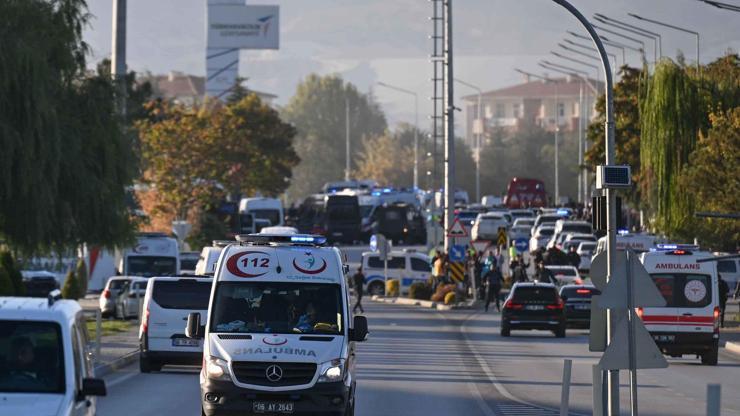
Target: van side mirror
pixel 359 331
pixel 93 387
pixel 193 329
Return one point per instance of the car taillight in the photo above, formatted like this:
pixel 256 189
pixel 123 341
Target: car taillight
pixel 716 319
pixel 583 291
pixel 106 294
pixel 513 305
pixel 640 311
pixel 556 306
pixel 145 321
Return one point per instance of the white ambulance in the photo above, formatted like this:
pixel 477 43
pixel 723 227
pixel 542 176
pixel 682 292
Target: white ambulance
pixel 689 323
pixel 279 338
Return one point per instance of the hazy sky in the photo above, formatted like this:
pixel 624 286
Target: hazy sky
pixel 367 41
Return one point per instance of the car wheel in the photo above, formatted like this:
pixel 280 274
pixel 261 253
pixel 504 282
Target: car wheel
pixel 376 288
pixel 145 365
pixel 505 330
pixel 711 357
pixel 350 410
pixel 560 332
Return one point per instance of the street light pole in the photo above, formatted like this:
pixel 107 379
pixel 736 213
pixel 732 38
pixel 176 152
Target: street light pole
pixel 478 133
pixel 655 37
pixel 118 55
pixel 449 124
pixel 347 173
pixel 682 29
pixel 416 126
pixel 611 246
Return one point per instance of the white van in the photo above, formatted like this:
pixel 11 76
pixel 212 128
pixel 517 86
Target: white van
pixel 640 243
pixel 407 266
pixel 46 366
pixel 155 254
pixel 279 336
pixel 689 323
pixel 270 209
pixel 167 303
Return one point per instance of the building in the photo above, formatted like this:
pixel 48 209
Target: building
pixel 534 102
pixel 188 89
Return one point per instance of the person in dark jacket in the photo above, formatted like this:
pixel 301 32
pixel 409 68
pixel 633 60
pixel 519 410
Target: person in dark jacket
pixel 573 257
pixel 724 293
pixel 494 280
pixel 358 281
pixel 543 274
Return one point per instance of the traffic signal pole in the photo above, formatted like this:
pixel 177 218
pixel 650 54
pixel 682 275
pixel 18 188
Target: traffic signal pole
pixel 612 378
pixel 449 124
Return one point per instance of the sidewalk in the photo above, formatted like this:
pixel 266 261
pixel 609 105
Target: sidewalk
pixel 117 351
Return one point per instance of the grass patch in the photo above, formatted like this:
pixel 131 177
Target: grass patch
pixel 109 327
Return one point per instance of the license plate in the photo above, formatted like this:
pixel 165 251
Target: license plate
pixel 534 307
pixel 582 307
pixel 664 338
pixel 185 342
pixel 272 407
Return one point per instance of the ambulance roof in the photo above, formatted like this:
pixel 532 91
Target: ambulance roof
pixel 677 259
pixel 273 258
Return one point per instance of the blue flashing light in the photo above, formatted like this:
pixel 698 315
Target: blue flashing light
pixel 307 239
pixel 662 247
pixel 563 212
pixel 623 232
pixel 387 190
pixel 375 193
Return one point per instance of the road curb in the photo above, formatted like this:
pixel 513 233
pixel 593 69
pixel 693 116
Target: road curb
pixel 733 347
pixel 422 303
pixel 104 369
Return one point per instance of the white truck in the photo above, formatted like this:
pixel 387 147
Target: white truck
pixel 270 209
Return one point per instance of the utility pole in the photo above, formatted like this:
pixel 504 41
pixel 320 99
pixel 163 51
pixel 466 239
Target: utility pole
pixel 449 123
pixel 118 55
pixel 346 136
pixel 557 145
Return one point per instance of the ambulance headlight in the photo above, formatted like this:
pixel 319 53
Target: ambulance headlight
pixel 332 371
pixel 217 369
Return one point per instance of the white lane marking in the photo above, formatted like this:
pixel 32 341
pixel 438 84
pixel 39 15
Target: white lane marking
pixel 480 401
pixel 121 379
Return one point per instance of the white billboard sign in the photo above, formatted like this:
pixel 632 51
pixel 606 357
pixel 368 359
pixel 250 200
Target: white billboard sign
pixel 243 27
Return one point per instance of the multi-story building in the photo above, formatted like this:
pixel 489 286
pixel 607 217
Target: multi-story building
pixel 534 102
pixel 188 89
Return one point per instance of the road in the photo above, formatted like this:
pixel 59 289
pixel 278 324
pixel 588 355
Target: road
pixel 423 362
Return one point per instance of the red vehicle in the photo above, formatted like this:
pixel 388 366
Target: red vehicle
pixel 525 193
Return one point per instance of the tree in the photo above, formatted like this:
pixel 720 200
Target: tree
pixel 6 285
pixel 81 273
pixel 9 265
pixel 318 112
pixel 385 160
pixel 715 182
pixel 71 288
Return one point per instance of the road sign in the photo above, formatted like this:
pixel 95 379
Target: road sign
pixel 616 295
pixel 457 229
pixel 521 244
pixel 457 253
pixel 616 356
pixel 502 237
pixel 374 242
pixel 480 245
pixel 457 271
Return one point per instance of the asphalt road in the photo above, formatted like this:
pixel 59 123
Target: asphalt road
pixel 422 362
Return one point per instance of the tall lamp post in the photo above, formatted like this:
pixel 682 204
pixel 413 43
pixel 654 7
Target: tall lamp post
pixel 682 29
pixel 478 130
pixel 657 39
pixel 557 129
pixel 118 56
pixel 416 126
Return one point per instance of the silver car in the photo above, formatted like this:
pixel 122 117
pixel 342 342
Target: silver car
pixel 130 297
pixel 112 289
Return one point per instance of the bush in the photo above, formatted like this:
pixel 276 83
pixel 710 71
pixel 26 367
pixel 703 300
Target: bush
pixel 391 287
pixel 450 298
pixel 81 272
pixel 420 290
pixel 442 291
pixel 14 274
pixel 71 288
pixel 6 285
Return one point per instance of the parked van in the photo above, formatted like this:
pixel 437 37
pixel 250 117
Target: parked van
pixel 270 209
pixel 155 254
pixel 407 266
pixel 689 323
pixel 279 336
pixel 47 368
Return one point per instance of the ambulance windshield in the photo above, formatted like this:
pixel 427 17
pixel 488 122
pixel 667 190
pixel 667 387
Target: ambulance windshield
pixel 277 308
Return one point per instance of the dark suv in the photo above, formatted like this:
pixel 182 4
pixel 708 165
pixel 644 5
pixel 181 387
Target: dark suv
pixel 533 306
pixel 577 300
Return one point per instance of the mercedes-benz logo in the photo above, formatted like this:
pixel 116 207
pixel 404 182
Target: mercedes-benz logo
pixel 274 373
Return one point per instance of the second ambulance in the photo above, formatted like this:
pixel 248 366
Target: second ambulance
pixel 689 323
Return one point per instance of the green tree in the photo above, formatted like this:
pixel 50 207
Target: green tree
pixel 6 285
pixel 81 274
pixel 385 160
pixel 14 274
pixel 71 288
pixel 318 111
pixel 713 173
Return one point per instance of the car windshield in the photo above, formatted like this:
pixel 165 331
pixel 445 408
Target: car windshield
pixel 577 228
pixel 31 357
pixel 546 232
pixel 151 266
pixel 534 293
pixel 277 308
pixel 188 264
pixel 272 215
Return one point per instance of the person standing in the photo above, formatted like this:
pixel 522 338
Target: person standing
pixel 494 280
pixel 573 257
pixel 512 251
pixel 358 280
pixel 543 274
pixel 724 293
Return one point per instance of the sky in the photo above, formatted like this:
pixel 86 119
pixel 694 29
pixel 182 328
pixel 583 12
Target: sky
pixel 370 41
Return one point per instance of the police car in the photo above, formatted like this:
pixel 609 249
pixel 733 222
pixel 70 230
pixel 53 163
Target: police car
pixel 407 266
pixel 45 367
pixel 689 323
pixel 279 337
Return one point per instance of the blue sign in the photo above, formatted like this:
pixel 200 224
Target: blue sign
pixel 457 253
pixel 521 244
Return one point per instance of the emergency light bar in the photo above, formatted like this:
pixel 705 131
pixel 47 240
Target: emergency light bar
pixel 296 239
pixel 563 212
pixel 666 247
